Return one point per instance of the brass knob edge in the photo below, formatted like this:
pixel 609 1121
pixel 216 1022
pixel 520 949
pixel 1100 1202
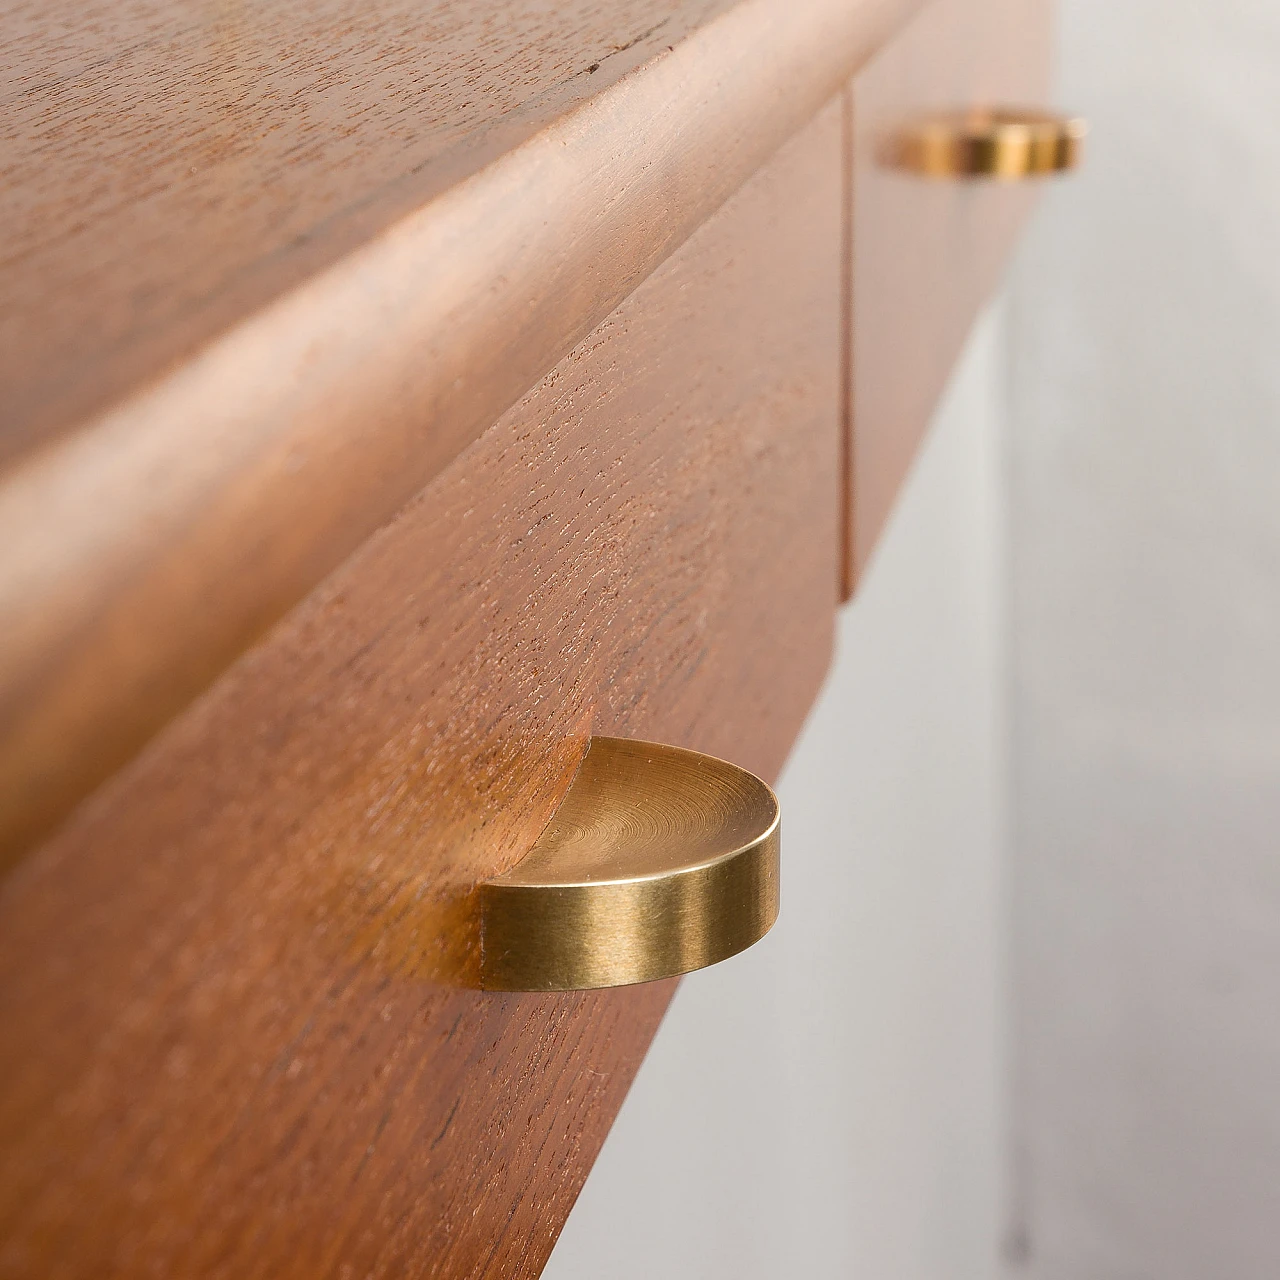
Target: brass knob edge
pixel 658 861
pixel 1004 143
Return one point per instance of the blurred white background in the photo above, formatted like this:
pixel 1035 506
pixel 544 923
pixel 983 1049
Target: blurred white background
pixel 1144 433
pixel 1021 1014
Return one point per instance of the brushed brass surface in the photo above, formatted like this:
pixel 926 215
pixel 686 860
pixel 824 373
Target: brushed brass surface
pixel 658 861
pixel 998 143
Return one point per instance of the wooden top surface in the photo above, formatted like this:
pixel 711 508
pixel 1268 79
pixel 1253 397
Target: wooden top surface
pixel 172 166
pixel 266 269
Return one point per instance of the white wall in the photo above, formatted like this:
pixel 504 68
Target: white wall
pixel 1145 327
pixel 829 1104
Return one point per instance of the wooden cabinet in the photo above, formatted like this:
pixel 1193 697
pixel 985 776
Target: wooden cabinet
pixel 339 512
pixel 235 973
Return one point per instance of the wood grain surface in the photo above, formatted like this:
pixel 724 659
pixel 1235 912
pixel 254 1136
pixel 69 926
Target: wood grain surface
pixel 266 269
pixel 176 165
pixel 237 1042
pixel 927 253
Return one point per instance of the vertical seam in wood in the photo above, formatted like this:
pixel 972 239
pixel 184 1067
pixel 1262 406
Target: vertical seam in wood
pixel 847 560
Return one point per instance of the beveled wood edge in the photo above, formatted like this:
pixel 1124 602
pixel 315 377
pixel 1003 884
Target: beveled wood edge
pixel 148 549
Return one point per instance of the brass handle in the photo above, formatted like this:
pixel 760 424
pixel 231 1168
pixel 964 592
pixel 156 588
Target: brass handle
pixel 658 861
pixel 1005 143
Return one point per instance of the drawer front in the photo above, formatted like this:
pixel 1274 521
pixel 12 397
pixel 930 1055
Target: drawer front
pixel 927 253
pixel 238 1036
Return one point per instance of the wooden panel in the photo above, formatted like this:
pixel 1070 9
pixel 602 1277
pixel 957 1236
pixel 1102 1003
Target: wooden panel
pixel 235 1040
pixel 266 269
pixel 926 253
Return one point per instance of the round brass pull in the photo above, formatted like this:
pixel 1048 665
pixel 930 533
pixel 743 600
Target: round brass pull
pixel 658 861
pixel 1005 143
